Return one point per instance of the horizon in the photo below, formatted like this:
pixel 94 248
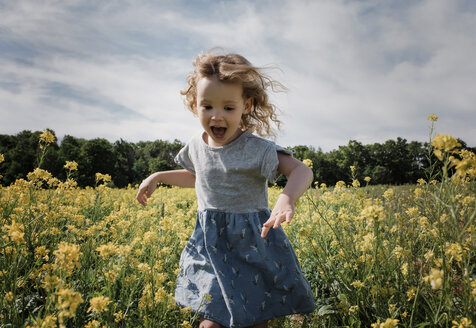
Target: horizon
pixel 60 140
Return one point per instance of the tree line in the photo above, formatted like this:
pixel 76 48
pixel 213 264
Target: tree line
pixel 392 162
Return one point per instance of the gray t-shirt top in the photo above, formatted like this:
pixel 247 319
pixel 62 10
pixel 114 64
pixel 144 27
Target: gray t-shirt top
pixel 232 178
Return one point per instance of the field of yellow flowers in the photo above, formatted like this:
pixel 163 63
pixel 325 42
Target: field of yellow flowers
pixel 375 256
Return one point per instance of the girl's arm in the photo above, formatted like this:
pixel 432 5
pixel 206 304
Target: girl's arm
pixel 299 178
pixel 180 178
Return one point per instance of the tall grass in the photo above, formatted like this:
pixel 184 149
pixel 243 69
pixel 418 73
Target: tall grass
pixel 375 256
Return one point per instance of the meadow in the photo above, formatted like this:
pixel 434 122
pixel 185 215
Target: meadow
pixel 375 256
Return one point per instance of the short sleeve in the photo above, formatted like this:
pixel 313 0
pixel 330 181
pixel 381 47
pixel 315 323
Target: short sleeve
pixel 269 166
pixel 184 159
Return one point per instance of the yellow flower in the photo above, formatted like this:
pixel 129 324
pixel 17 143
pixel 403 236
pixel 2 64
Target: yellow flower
pixel 467 200
pixel 340 184
pixel 208 297
pixel 404 269
pixel 421 182
pixel 433 118
pixel 444 143
pixel 150 237
pixel 47 137
pixel 411 293
pixel 464 323
pixel 388 194
pixel 68 302
pixel 413 211
pixel 367 179
pixel 435 278
pixel 353 308
pixel 72 166
pixel 389 323
pixel 368 242
pixel 111 275
pixel 374 212
pixel 186 310
pixel 41 252
pixel 98 304
pixel 119 316
pixel 356 183
pixel 352 168
pixel 67 257
pixel 107 250
pixel 124 250
pixel 14 232
pixel 465 166
pixel 146 299
pixel 143 267
pixel 418 192
pixel 186 324
pixel 357 284
pixel 9 297
pixel 49 322
pixel 308 162
pixel 50 282
pixel 2 158
pixel 103 177
pixel 455 251
pixel 398 251
pixel 160 295
pixel 38 174
pixel 93 324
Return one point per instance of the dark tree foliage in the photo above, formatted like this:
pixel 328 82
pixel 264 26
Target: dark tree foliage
pixel 392 162
pixel 125 158
pixel 96 156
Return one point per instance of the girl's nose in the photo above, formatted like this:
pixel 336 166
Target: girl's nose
pixel 217 115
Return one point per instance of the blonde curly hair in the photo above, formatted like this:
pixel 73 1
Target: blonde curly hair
pixel 234 68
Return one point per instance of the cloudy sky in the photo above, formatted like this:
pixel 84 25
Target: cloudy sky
pixel 361 70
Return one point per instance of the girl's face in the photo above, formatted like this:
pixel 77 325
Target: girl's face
pixel 220 107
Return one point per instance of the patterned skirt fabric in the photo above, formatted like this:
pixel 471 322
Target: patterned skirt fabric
pixel 232 276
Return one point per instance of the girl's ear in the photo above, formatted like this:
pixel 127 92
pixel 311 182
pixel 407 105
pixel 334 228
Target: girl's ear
pixel 248 105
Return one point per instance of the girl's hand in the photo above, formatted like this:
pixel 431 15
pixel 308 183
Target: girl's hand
pixel 180 178
pixel 146 188
pixel 283 211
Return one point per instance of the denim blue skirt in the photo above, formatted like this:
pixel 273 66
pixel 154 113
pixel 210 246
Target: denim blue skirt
pixel 229 274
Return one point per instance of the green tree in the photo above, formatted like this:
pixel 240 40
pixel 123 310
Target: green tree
pixel 125 154
pixel 69 150
pixel 96 156
pixel 20 153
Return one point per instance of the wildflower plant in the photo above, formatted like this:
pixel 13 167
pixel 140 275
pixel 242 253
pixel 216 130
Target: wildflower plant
pixel 70 256
pixel 46 138
pixel 404 257
pixel 375 256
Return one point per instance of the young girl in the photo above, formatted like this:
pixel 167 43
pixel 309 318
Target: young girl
pixel 235 270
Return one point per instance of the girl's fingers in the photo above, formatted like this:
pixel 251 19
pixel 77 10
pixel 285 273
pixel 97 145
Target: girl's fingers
pixel 279 218
pixel 142 197
pixel 284 216
pixel 264 231
pixel 266 226
pixel 289 216
pixel 275 221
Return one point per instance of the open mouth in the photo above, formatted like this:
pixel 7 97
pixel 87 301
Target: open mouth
pixel 218 132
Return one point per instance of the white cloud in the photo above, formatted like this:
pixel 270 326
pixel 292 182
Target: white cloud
pixel 365 70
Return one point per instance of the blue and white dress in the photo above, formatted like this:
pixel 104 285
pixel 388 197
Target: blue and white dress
pixel 228 273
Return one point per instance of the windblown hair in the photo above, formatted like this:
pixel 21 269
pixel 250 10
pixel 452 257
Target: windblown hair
pixel 233 68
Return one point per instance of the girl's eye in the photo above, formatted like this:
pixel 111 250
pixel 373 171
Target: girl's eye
pixel 207 107
pixel 228 108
